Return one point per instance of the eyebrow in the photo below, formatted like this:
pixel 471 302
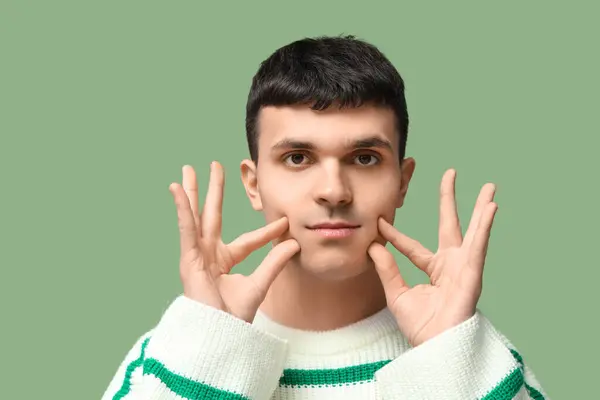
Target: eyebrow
pixel 366 142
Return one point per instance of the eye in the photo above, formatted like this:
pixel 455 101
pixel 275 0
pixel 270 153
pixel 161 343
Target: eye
pixel 364 159
pixel 295 159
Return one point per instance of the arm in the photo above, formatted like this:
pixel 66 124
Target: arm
pixel 197 351
pixel 469 361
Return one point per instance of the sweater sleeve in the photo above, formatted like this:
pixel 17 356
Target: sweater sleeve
pixel 469 361
pixel 198 352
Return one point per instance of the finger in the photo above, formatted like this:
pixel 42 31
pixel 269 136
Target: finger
pixel 389 274
pixel 449 229
pixel 188 239
pixel 412 249
pixel 190 185
pixel 273 264
pixel 248 242
pixel 486 195
pixel 213 206
pixel 481 239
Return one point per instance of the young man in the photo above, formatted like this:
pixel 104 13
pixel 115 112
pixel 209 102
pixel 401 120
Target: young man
pixel 327 314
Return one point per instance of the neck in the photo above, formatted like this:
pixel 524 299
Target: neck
pixel 300 300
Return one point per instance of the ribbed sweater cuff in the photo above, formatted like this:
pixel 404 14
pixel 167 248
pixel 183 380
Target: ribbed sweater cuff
pixel 467 361
pixel 215 349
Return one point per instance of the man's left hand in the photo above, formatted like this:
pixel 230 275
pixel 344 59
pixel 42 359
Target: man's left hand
pixel 455 271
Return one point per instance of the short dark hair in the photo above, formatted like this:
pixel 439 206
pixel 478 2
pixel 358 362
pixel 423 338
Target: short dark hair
pixel 322 71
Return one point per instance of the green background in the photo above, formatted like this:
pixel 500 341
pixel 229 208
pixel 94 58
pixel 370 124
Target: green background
pixel 103 102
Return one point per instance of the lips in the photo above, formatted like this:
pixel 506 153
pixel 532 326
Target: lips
pixel 334 230
pixel 334 225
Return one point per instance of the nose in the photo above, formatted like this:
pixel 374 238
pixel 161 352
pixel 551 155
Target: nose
pixel 331 187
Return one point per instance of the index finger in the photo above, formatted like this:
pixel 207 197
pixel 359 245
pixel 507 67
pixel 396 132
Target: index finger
pixel 411 248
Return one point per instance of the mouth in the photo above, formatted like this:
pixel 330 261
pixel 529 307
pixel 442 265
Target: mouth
pixel 334 229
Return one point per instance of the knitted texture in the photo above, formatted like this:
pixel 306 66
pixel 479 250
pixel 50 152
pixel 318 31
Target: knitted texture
pixel 198 352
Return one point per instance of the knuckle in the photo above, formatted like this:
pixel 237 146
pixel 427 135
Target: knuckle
pixel 184 226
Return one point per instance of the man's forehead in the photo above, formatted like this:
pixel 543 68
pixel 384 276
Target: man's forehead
pixel 279 126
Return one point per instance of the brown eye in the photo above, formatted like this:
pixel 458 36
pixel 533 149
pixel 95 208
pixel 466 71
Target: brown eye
pixel 367 159
pixel 295 159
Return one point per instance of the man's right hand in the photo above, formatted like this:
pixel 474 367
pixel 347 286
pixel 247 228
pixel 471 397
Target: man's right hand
pixel 206 261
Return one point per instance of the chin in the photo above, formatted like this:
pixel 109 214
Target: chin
pixel 335 266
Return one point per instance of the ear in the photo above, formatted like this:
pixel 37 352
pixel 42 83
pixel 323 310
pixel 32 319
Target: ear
pixel 407 170
pixel 250 181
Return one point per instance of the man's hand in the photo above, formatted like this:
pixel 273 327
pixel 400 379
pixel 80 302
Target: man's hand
pixel 455 271
pixel 206 261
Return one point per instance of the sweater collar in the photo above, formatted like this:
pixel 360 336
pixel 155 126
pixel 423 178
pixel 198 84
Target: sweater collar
pixel 355 335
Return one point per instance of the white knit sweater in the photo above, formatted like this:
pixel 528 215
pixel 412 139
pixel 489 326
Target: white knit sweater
pixel 198 352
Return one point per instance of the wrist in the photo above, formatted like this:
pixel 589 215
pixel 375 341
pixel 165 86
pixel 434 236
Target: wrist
pixel 439 328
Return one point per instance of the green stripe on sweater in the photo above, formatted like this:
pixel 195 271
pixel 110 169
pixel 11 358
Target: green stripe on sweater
pixel 185 387
pixel 510 386
pixel 330 377
pixel 533 392
pixel 126 386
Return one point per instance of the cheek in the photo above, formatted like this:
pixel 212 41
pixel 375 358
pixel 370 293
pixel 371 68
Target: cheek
pixel 281 200
pixel 376 204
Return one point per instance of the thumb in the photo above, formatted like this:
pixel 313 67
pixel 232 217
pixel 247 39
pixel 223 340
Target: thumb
pixel 389 274
pixel 273 264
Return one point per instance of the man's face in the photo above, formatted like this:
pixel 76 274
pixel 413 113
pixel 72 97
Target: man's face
pixel 332 173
